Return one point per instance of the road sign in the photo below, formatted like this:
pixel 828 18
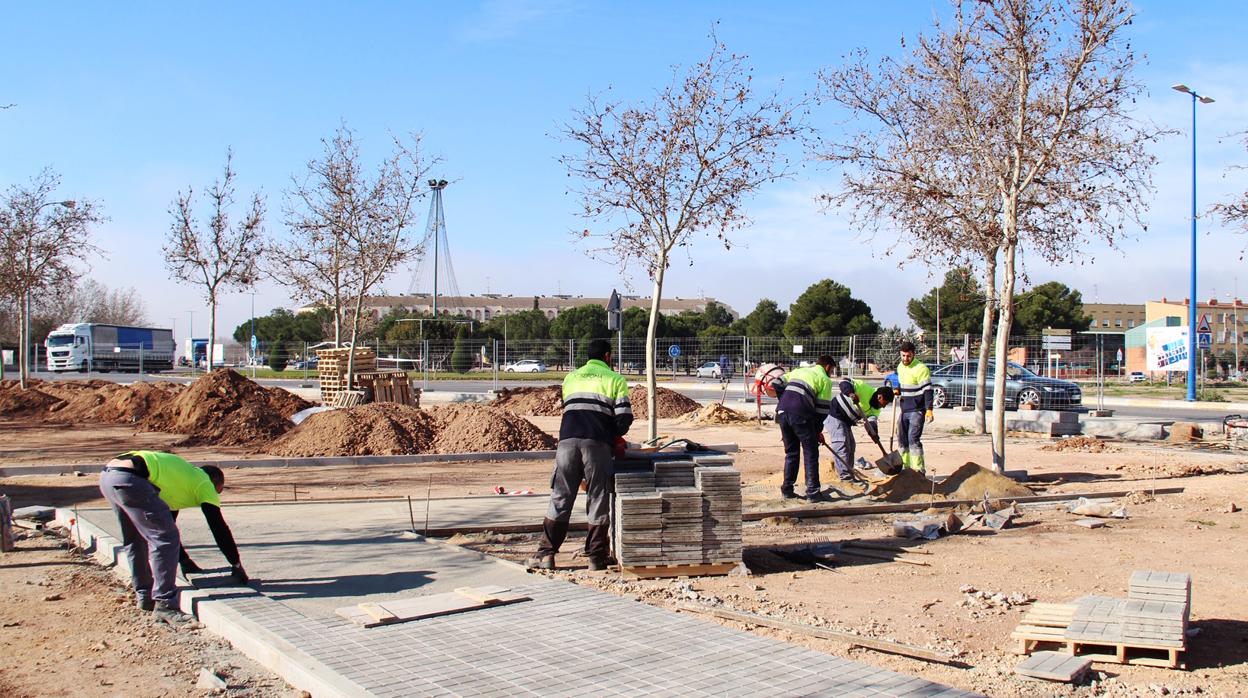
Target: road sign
pixel 614 321
pixel 1119 356
pixel 1203 327
pixel 673 351
pixel 254 344
pixel 1204 340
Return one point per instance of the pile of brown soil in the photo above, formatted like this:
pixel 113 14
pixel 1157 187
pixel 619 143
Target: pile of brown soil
pixel 716 413
pixel 17 403
pixel 225 409
pixel 102 401
pixel 669 403
pixel 546 401
pixel 1081 444
pixel 485 428
pixel 389 429
pixel 376 429
pixel 1185 432
pixel 971 481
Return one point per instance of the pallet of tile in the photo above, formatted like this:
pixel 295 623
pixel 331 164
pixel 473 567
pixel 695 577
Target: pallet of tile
pixel 1134 653
pixel 673 473
pixel 1044 623
pixel 677 570
pixel 1146 585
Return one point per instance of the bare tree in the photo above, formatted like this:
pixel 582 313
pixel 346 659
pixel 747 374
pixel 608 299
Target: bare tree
pixel 348 228
pixel 41 238
pixel 221 254
pixel 1035 98
pixel 1235 212
pixel 657 173
pixel 92 301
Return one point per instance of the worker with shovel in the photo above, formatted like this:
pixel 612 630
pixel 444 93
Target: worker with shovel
pixel 856 402
pixel 145 489
pixel 805 396
pixel 916 406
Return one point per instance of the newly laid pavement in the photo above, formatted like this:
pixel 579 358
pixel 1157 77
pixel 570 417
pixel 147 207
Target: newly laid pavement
pixel 308 559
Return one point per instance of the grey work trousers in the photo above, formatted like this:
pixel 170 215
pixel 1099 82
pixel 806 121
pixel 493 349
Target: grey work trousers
pixel 840 438
pixel 910 439
pixel 582 459
pixel 148 534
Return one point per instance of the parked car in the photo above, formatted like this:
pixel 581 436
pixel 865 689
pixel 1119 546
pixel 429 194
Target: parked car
pixel 710 369
pixel 526 366
pixel 1137 377
pixel 303 364
pixel 1022 387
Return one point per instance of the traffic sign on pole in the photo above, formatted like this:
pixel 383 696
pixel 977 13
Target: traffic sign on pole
pixel 1203 326
pixel 673 351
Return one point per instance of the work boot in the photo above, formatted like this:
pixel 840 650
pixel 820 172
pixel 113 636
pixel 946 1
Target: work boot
pixel 166 612
pixel 598 564
pixel 145 604
pixel 818 497
pixel 788 494
pixel 540 562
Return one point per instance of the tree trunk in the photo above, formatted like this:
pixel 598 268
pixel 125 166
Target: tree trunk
pixel 355 331
pixel 212 333
pixel 652 327
pixel 23 318
pixel 985 340
pixel 1005 320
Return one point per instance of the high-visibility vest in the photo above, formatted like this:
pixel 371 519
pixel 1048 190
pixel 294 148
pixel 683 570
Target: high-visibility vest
pixel 595 404
pixel 916 386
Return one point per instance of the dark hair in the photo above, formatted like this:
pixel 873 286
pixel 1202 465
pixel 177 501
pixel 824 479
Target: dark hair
pixel 906 345
pixel 885 393
pixel 598 349
pixel 825 360
pixel 214 473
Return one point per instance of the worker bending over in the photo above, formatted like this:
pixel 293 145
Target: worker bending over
pixel 805 395
pixel 916 406
pixel 596 411
pixel 145 488
pixel 855 402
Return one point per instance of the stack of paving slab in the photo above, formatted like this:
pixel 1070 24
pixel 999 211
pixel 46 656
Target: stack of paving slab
pixel 1155 613
pixel 1047 422
pixel 684 513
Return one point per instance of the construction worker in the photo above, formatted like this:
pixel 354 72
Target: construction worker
pixel 916 406
pixel 145 488
pixel 596 412
pixel 805 395
pixel 855 402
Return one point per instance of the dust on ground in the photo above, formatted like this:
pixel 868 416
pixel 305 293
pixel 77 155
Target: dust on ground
pixel 69 628
pixel 1082 444
pixel 383 429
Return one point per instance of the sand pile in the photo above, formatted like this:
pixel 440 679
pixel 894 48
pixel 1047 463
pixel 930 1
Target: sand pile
pixel 224 408
pixel 970 481
pixel 716 413
pixel 546 401
pixel 389 429
pixel 376 429
pixel 17 403
pixel 477 428
pixel 669 402
pixel 101 401
pixel 1081 444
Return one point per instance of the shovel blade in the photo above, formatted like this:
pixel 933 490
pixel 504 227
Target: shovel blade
pixel 889 465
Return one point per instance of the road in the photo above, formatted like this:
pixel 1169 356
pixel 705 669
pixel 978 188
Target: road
pixel 697 389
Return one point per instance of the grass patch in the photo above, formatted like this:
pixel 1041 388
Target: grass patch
pixel 961 431
pixel 1203 522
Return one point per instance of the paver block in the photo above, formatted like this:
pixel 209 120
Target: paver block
pixel 1053 666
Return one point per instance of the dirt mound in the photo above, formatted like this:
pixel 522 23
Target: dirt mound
pixel 224 408
pixel 376 429
pixel 101 401
pixel 1082 444
pixel 478 428
pixel 17 403
pixel 716 413
pixel 970 481
pixel 669 403
pixel 541 402
pixel 389 429
pixel 1185 432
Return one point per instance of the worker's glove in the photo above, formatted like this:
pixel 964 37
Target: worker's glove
pixel 929 416
pixel 618 447
pixel 238 573
pixel 188 566
pixel 823 439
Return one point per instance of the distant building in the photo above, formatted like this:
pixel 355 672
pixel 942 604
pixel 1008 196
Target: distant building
pixel 1228 320
pixel 1115 318
pixel 490 305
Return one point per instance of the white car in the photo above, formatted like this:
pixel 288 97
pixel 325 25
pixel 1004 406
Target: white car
pixel 526 366
pixel 1136 377
pixel 710 369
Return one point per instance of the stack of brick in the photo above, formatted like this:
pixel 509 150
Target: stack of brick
pixel 673 473
pixel 721 513
pixel 1157 609
pixel 639 527
pixel 682 525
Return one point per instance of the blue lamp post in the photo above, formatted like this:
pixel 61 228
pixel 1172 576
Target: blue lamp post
pixel 1191 305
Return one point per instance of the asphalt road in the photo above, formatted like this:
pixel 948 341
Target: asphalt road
pixel 707 389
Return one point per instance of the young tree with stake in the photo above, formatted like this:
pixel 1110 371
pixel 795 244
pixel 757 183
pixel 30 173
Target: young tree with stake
pixel 657 173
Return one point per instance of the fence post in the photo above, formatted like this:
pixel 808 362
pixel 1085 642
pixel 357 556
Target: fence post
pixel 966 353
pixel 495 362
pixel 571 355
pixel 140 359
pixel 852 364
pixel 424 363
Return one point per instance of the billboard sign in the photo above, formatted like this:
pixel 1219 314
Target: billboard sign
pixel 1167 349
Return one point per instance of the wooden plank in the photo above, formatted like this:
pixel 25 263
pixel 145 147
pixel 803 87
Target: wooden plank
pixel 869 545
pixel 824 633
pixel 481 597
pixel 378 612
pixel 665 571
pixel 420 607
pixel 879 555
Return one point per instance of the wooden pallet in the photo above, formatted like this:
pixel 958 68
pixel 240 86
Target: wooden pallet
pixel 1134 654
pixel 1044 623
pixel 689 570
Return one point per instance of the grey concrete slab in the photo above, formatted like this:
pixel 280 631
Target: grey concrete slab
pixel 568 640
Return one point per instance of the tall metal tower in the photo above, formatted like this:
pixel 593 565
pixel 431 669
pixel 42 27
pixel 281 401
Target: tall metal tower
pixel 435 237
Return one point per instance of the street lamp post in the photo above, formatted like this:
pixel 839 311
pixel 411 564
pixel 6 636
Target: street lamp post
pixel 1191 307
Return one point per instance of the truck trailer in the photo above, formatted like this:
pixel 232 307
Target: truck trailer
pixel 88 346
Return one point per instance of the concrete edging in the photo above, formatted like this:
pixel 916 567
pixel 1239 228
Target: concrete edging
pixel 265 648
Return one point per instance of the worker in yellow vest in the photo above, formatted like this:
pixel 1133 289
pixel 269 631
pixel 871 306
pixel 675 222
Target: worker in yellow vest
pixel 916 406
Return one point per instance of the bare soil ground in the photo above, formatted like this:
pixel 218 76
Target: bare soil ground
pixel 1043 557
pixel 69 628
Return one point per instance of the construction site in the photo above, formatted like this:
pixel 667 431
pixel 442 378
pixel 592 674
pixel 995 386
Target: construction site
pixel 383 529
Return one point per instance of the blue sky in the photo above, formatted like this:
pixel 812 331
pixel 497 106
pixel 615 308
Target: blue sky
pixel 131 102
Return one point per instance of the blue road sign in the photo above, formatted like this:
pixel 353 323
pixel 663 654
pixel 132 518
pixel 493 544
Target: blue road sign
pixel 1204 340
pixel 254 344
pixel 673 351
